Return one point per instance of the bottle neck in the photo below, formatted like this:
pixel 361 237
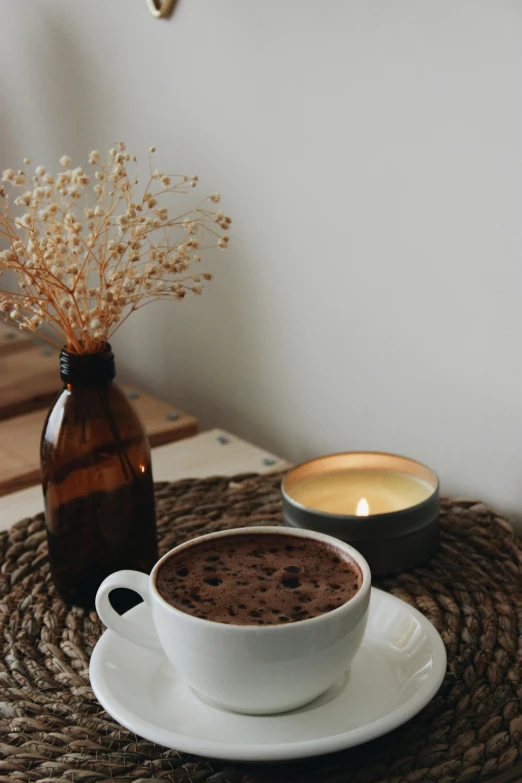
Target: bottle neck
pixel 87 369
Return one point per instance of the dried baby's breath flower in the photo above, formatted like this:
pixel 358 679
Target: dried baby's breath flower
pixel 87 256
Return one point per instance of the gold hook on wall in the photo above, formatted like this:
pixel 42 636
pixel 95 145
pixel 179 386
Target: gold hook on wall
pixel 160 8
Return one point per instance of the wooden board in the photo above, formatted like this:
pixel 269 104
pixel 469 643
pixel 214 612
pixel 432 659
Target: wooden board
pixel 20 438
pixel 163 422
pixel 13 339
pixel 29 379
pixel 212 453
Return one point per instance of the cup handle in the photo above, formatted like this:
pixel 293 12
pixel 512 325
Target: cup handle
pixel 132 580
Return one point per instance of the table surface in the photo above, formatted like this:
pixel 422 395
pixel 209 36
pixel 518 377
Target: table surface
pixel 211 453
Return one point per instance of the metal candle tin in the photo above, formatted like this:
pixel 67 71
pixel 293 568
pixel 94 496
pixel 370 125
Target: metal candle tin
pixel 390 542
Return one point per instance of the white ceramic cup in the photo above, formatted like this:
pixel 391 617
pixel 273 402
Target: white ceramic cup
pixel 248 668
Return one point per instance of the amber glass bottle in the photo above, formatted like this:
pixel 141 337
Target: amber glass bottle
pixel 97 481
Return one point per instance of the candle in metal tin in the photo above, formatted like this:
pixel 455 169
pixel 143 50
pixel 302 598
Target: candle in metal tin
pixel 385 505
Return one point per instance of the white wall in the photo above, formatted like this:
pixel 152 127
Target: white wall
pixel 369 153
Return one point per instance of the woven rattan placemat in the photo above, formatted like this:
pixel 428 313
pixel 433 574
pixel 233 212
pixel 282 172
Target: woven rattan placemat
pixel 53 729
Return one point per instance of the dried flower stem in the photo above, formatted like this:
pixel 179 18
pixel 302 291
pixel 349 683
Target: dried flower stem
pixel 83 269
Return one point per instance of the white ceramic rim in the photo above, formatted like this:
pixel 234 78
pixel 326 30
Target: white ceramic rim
pixel 294 750
pixel 347 607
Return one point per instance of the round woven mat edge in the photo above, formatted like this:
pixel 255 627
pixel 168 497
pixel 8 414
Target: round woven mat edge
pixel 53 729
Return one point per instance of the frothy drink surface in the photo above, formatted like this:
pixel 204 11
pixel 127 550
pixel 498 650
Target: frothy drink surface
pixel 258 579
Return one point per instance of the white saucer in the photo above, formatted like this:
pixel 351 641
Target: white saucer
pixel 398 670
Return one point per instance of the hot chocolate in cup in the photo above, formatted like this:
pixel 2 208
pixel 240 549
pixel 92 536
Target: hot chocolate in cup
pixel 256 620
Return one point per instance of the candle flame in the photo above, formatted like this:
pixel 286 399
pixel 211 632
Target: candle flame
pixel 362 508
